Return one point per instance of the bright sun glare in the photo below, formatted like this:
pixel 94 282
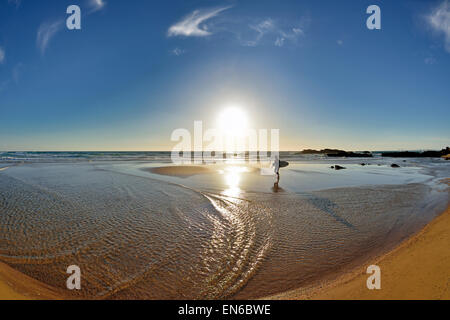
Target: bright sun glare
pixel 232 121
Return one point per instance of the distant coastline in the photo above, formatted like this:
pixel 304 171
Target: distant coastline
pixel 444 153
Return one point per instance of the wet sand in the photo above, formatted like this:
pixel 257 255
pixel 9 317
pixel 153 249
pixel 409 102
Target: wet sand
pixel 271 244
pixel 15 285
pixel 418 269
pixel 181 171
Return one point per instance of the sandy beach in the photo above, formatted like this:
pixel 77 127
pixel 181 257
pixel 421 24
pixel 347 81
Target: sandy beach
pixel 418 269
pixel 181 171
pixel 15 285
pixel 271 242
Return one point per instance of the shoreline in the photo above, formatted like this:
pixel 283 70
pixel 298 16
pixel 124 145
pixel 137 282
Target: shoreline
pixel 416 269
pixel 14 285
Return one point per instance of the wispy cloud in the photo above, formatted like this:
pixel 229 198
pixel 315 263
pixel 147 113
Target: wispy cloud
pixel 262 28
pixel 340 42
pixel 298 31
pixel 46 32
pixel 268 28
pixel 279 42
pixel 193 24
pixel 96 5
pixel 177 51
pixel 2 55
pixel 439 20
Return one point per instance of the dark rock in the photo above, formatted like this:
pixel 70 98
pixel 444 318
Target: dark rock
pixel 350 155
pixel 395 165
pixel 409 154
pixel 337 153
pixel 323 151
pixel 337 167
pixel 363 164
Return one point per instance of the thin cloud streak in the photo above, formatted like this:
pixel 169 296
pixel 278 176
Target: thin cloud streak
pixel 46 32
pixel 262 28
pixel 439 20
pixel 177 52
pixel 190 26
pixel 96 5
pixel 268 27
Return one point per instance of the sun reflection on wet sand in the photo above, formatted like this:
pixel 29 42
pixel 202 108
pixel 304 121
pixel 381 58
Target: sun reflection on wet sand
pixel 232 177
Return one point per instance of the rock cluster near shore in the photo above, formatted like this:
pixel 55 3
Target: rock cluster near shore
pixel 338 153
pixel 350 154
pixel 426 154
pixel 337 167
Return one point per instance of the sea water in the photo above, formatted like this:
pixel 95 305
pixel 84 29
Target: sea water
pixel 136 234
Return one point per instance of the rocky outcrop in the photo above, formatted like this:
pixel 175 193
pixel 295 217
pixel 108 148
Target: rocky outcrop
pixel 337 167
pixel 410 154
pixel 323 151
pixel 350 155
pixel 338 153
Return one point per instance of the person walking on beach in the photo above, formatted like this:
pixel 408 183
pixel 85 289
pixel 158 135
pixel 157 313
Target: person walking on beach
pixel 276 169
pixel 277 164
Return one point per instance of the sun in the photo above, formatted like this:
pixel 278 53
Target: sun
pixel 232 121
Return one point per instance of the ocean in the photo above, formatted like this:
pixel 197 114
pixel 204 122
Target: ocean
pixel 223 234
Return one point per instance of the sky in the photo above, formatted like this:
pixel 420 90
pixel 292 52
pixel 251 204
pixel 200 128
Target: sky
pixel 138 70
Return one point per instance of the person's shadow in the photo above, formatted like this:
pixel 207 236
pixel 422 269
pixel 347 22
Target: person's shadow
pixel 328 206
pixel 276 188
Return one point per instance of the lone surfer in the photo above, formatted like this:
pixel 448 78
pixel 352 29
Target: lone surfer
pixel 277 164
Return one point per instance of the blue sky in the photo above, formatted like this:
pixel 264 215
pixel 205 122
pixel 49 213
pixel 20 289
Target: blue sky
pixel 137 70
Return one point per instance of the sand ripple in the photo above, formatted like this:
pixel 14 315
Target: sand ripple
pixel 135 237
